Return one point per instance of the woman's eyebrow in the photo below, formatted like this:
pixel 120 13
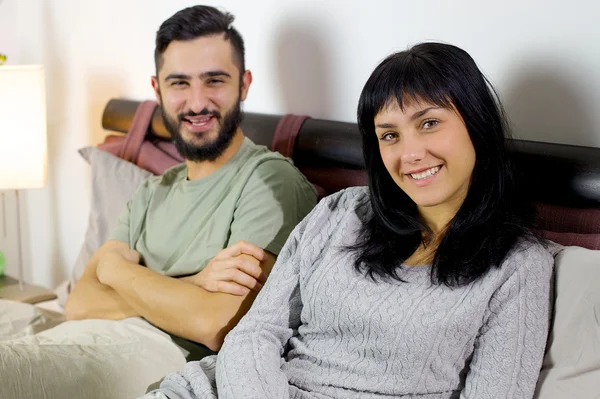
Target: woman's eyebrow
pixel 385 125
pixel 422 112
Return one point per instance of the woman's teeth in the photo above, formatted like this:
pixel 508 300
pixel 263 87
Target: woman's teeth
pixel 425 174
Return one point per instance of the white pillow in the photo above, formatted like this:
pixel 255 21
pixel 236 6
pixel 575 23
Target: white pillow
pixel 114 181
pixel 571 368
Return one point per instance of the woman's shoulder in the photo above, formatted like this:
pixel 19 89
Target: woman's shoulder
pixel 336 207
pixel 347 199
pixel 528 257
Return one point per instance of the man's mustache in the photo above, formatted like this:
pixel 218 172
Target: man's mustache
pixel 205 111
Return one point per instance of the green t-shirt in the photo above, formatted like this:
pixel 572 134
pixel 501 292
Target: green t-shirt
pixel 178 226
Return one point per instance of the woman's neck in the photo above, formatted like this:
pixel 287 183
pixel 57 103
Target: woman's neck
pixel 437 218
pixel 425 252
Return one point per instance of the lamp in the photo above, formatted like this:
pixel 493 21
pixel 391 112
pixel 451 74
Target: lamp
pixel 23 149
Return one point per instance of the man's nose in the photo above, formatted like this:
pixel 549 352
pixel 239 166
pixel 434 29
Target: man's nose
pixel 198 100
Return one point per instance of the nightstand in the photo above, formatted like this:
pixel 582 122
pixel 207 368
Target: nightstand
pixel 9 289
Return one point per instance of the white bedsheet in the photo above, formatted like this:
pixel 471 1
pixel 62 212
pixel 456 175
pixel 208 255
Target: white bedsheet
pixel 43 357
pixel 52 305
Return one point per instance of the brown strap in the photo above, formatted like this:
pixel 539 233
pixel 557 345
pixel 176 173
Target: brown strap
pixel 134 139
pixel 286 132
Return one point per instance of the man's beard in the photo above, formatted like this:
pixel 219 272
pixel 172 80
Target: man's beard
pixel 207 151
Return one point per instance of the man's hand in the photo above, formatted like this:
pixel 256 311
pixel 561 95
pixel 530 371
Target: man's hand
pixel 114 257
pixel 234 270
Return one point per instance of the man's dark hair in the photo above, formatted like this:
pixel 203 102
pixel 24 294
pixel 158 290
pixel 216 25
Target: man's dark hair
pixel 492 218
pixel 199 21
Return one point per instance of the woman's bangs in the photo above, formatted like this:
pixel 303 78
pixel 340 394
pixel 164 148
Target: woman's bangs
pixel 411 81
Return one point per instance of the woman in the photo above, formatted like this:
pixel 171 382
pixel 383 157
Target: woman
pixel 427 284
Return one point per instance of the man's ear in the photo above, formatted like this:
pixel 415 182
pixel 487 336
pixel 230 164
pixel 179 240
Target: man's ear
pixel 246 81
pixel 156 88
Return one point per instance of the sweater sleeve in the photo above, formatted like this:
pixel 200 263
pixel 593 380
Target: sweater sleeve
pixel 510 347
pixel 249 363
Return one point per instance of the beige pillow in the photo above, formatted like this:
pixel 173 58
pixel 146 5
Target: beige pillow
pixel 571 368
pixel 114 181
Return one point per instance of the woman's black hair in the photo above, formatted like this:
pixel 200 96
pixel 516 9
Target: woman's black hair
pixel 492 218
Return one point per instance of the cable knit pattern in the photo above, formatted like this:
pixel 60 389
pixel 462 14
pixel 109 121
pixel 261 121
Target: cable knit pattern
pixel 320 330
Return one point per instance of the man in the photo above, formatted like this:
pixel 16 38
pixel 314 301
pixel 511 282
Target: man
pixel 194 246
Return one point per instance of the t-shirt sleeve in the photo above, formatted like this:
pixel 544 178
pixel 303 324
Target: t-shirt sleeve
pixel 139 201
pixel 274 200
pixel 121 231
pixel 510 346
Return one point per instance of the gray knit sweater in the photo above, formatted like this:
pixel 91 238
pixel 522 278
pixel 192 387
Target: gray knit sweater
pixel 320 330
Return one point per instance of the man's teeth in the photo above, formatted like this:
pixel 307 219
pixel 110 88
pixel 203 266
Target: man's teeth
pixel 199 122
pixel 425 173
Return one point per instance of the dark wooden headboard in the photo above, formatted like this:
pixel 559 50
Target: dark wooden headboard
pixel 562 180
pixel 557 174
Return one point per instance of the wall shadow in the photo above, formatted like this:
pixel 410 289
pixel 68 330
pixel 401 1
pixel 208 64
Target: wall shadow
pixel 302 68
pixel 544 105
pixel 101 87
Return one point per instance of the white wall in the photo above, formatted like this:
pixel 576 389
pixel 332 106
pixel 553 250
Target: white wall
pixel 307 56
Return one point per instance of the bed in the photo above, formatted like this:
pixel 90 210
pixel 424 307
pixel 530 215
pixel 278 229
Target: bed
pixel 562 181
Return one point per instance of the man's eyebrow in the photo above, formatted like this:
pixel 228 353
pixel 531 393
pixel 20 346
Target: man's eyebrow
pixel 212 74
pixel 178 76
pixel 209 74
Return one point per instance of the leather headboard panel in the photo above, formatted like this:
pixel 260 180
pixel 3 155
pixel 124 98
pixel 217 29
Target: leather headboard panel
pixel 556 174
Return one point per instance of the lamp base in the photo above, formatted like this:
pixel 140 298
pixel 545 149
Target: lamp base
pixel 9 289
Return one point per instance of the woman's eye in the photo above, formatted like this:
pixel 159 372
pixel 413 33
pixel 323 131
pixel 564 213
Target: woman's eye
pixel 390 136
pixel 428 124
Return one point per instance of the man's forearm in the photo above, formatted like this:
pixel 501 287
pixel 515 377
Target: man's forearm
pixel 91 299
pixel 176 306
pixel 97 301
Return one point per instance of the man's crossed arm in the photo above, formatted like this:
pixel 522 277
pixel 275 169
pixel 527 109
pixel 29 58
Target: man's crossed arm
pixel 203 307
